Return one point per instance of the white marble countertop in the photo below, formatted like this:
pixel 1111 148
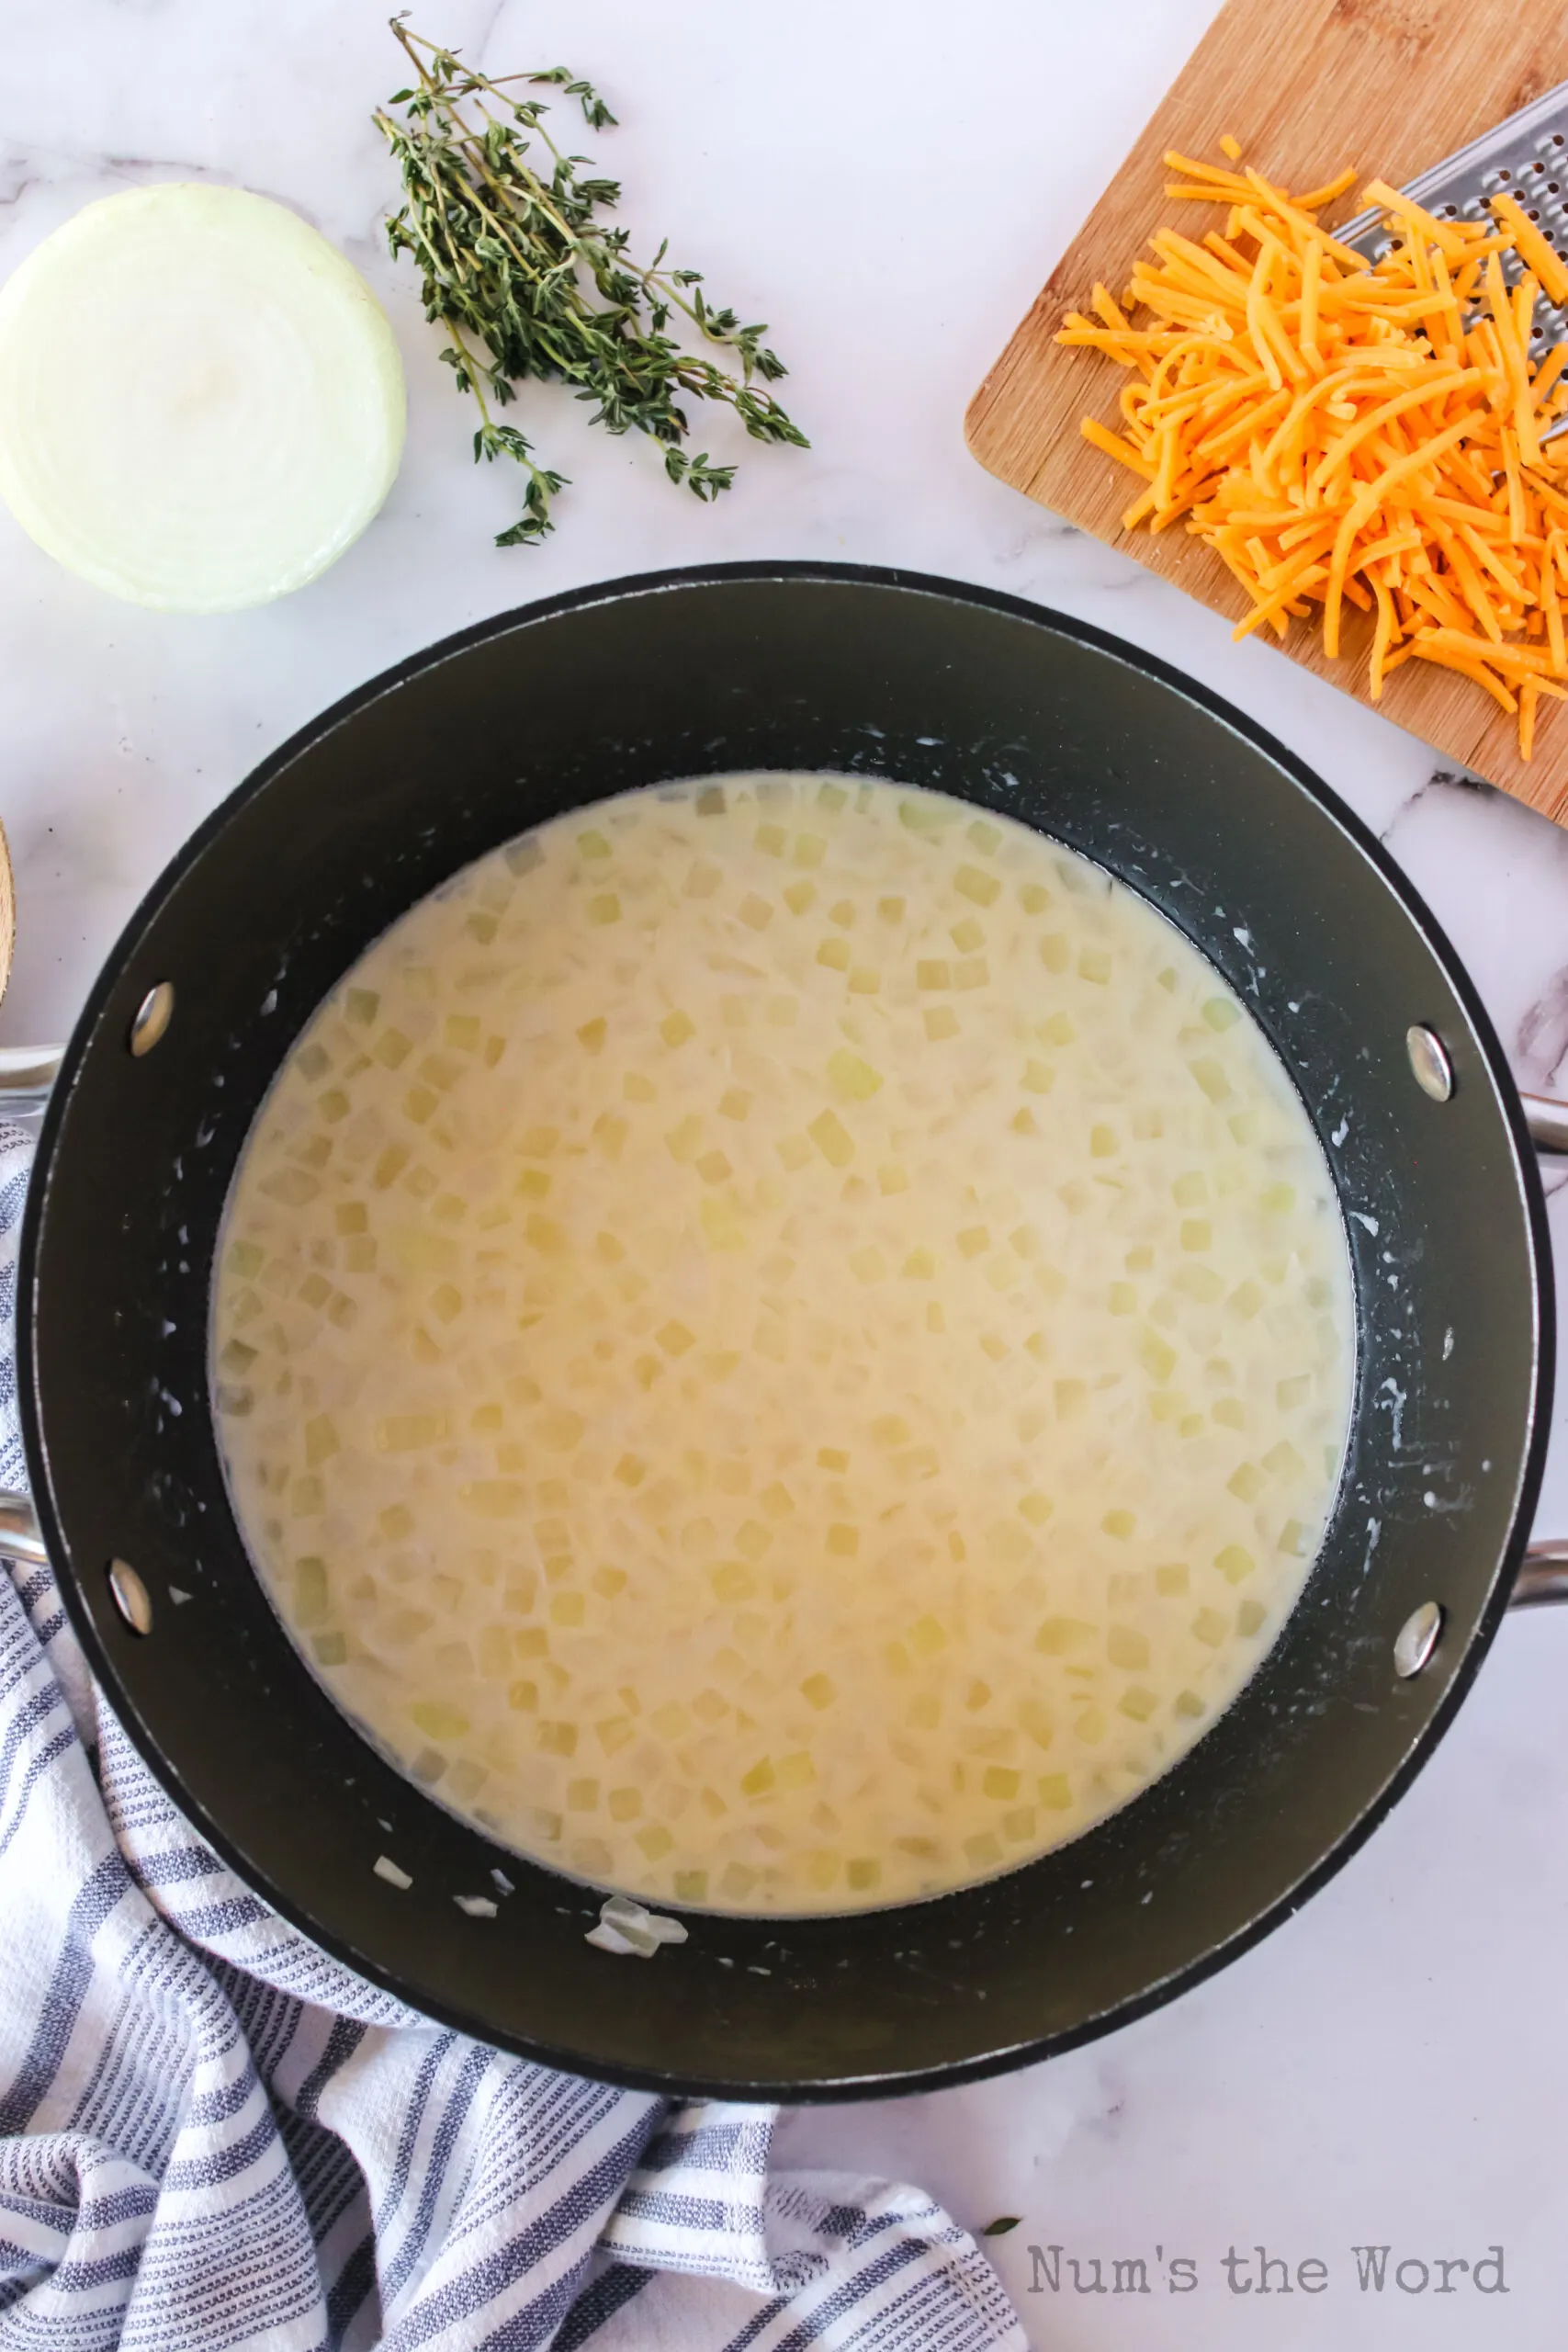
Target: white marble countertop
pixel 887 182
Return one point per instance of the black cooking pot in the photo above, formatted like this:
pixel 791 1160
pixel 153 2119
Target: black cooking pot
pixel 878 673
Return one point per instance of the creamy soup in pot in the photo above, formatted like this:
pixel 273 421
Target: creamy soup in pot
pixel 782 1343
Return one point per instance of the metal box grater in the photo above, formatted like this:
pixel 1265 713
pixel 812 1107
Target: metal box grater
pixel 1526 157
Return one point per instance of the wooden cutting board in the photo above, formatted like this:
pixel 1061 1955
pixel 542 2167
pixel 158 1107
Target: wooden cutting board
pixel 1307 86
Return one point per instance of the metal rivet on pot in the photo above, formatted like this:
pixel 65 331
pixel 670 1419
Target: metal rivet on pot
pixel 1429 1060
pixel 1416 1639
pixel 131 1597
pixel 153 1015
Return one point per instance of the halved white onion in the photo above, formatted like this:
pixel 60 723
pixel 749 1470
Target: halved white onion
pixel 201 403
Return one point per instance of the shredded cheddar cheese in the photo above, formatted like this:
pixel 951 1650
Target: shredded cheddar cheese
pixel 1339 433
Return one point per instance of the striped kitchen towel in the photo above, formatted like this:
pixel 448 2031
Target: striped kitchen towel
pixel 213 2136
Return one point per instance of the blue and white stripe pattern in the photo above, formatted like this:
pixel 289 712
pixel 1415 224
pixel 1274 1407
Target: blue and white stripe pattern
pixel 214 2137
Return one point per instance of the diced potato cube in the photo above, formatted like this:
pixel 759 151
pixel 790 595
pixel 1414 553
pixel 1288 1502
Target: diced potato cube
pixel 853 1076
pixel 439 1720
pixel 982 888
pixel 1060 1636
pixel 927 1638
pixel 311 1600
pixel 832 1138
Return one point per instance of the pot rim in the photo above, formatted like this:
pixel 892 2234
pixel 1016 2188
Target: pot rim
pixel 674 580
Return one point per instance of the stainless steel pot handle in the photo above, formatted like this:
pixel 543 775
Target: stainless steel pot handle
pixel 27 1073
pixel 1543 1573
pixel 1544 1576
pixel 1547 1121
pixel 19 1538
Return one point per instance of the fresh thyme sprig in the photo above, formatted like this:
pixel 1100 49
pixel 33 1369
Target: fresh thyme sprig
pixel 517 267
